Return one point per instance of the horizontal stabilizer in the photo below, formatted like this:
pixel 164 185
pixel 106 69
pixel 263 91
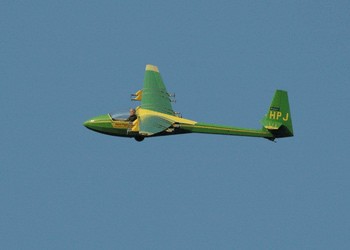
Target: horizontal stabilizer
pixel 272 125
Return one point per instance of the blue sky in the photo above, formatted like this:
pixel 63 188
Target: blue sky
pixel 65 187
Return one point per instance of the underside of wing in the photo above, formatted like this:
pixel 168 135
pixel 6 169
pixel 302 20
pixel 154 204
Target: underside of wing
pixel 150 125
pixel 153 122
pixel 154 94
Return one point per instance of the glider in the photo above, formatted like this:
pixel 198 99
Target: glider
pixel 156 117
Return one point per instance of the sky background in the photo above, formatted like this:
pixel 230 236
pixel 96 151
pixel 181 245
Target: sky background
pixel 65 187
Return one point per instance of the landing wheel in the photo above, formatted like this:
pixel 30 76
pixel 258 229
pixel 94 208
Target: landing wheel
pixel 139 138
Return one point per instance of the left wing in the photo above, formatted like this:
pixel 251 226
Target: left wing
pixel 154 94
pixel 150 125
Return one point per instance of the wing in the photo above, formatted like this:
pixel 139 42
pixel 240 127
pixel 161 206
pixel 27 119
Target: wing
pixel 154 94
pixel 150 125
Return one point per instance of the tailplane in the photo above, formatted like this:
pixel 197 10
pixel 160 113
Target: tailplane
pixel 278 119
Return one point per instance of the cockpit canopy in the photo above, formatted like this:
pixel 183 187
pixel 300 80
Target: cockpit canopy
pixel 119 116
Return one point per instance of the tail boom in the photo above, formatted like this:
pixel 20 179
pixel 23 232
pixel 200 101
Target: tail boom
pixel 207 128
pixel 277 123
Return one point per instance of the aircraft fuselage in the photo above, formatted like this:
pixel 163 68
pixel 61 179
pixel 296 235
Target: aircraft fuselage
pixel 106 125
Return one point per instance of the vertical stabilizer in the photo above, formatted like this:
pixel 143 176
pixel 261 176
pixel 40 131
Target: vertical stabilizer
pixel 278 119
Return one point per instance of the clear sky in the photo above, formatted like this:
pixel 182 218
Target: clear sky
pixel 65 187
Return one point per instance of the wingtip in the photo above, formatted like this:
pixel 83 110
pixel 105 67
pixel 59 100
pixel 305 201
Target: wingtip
pixel 150 67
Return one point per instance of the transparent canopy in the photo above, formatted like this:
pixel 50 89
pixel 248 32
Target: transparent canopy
pixel 119 116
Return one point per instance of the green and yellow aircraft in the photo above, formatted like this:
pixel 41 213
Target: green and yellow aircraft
pixel 156 117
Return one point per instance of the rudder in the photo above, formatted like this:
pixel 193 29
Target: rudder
pixel 278 119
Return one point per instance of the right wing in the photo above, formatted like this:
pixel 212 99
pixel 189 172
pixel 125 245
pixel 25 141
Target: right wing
pixel 155 113
pixel 154 94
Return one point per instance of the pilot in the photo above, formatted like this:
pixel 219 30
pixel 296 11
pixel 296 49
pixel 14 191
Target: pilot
pixel 132 117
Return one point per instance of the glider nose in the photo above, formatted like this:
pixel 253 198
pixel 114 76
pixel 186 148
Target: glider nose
pixel 88 123
pixel 97 123
pixel 91 124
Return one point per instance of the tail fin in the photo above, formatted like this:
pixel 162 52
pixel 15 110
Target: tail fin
pixel 278 119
